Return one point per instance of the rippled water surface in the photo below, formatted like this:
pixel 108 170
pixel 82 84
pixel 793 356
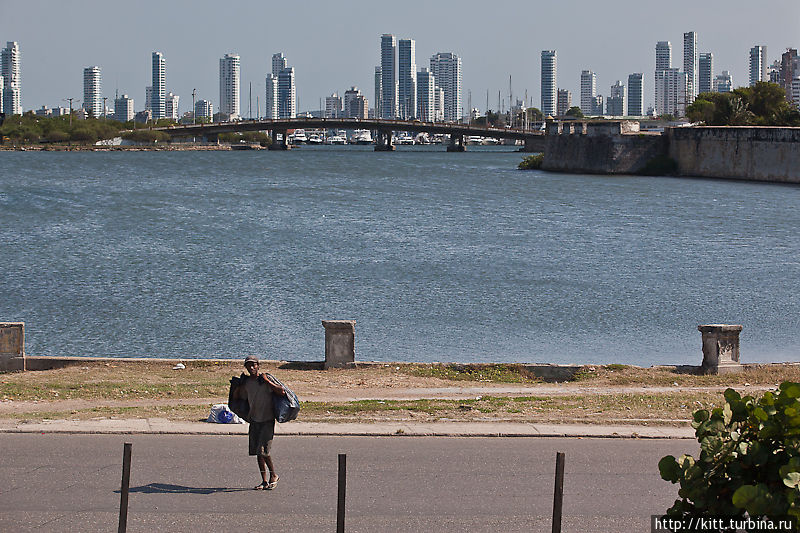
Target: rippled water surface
pixel 437 256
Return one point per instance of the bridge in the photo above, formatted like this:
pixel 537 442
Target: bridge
pixel 533 139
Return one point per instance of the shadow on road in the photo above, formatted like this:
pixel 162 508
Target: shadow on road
pixel 164 488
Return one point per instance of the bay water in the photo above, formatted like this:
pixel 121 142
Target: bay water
pixel 437 256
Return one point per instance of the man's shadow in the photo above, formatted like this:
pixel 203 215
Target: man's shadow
pixel 166 488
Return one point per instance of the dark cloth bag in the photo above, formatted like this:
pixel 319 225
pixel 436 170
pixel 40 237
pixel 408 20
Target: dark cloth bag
pixel 286 407
pixel 236 403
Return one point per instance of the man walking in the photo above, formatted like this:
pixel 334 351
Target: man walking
pixel 258 389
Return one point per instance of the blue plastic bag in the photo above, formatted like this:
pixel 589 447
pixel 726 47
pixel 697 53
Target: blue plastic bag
pixel 286 407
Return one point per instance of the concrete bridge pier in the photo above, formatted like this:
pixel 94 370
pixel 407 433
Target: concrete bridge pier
pixel 456 143
pixel 384 141
pixel 279 144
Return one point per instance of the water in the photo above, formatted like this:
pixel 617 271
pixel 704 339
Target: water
pixel 437 256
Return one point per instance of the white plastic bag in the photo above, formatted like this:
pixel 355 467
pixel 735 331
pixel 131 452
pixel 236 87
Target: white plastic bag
pixel 220 414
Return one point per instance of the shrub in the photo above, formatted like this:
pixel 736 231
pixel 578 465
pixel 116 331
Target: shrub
pixel 749 459
pixel 532 162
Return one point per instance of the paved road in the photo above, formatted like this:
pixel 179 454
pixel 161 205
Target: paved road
pixel 53 482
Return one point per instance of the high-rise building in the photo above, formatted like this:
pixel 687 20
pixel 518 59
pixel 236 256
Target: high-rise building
pixel 723 83
pixel 588 92
pixel 388 76
pixel 549 68
pixel 690 65
pixel 774 72
pixel 92 94
pixel 615 104
pixel 705 73
pixel 663 55
pixel 287 94
pixel 671 92
pixel 438 104
pixel 148 99
pixel 635 94
pixel 123 108
pixel 171 106
pixel 12 87
pixel 758 64
pixel 597 105
pixel 796 91
pixel 2 88
pixel 158 95
pixel 378 91
pixel 333 106
pixel 426 95
pixel 790 68
pixel 229 86
pixel 564 102
pixel 278 63
pixel 271 97
pixel 356 104
pixel 203 109
pixel 406 79
pixel 446 70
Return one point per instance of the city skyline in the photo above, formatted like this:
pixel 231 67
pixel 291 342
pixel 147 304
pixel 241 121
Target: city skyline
pixel 192 56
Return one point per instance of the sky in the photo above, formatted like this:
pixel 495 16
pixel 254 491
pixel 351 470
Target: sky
pixel 334 45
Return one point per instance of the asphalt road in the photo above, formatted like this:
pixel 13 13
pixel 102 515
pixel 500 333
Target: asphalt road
pixel 52 482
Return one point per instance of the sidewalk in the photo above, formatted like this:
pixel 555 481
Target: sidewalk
pixel 438 429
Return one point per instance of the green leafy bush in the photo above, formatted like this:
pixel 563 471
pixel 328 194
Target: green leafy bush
pixel 532 162
pixel 749 459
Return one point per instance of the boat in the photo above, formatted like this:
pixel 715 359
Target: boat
pixel 473 140
pixel 404 138
pixel 361 137
pixel 490 141
pixel 314 139
pixel 337 139
pixel 298 137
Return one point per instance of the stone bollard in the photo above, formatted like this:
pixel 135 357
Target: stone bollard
pixel 340 343
pixel 12 346
pixel 720 348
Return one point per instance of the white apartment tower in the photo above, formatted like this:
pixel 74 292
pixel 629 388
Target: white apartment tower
pixel 549 82
pixel 10 71
pixel 2 88
pixel 92 94
pixel 446 70
pixel 564 102
pixel 426 95
pixel 635 94
pixel 287 94
pixel 671 92
pixel 588 92
pixel 271 97
pixel 123 108
pixel 333 106
pixel 158 96
pixel 723 83
pixel 388 76
pixel 663 55
pixel 229 86
pixel 203 109
pixel 171 106
pixel 406 79
pixel 705 73
pixel 758 64
pixel 278 63
pixel 690 64
pixel 615 104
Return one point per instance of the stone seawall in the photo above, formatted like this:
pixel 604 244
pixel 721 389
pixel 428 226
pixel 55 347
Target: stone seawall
pixel 740 152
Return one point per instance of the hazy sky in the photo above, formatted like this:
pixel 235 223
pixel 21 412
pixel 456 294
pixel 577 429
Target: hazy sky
pixel 334 45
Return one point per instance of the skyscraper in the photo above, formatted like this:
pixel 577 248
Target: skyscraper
pixel 790 68
pixel 123 108
pixel 588 92
pixel 549 82
pixel 171 106
pixel 9 69
pixel 158 97
pixel 287 93
pixel 705 73
pixel 446 70
pixel 407 78
pixel 271 97
pixel 356 104
pixel 426 95
pixel 229 86
pixel 564 102
pixel 663 55
pixel 278 63
pixel 723 83
pixel 378 91
pixel 615 104
pixel 758 64
pixel 388 76
pixel 333 106
pixel 203 109
pixel 671 92
pixel 2 89
pixel 92 95
pixel 690 65
pixel 635 94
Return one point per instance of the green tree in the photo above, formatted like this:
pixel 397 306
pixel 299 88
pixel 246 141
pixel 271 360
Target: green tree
pixel 749 459
pixel 574 111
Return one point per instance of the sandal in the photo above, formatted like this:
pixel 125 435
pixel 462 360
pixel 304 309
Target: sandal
pixel 272 484
pixel 262 486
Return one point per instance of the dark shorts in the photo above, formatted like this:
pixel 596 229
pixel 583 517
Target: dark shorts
pixel 261 434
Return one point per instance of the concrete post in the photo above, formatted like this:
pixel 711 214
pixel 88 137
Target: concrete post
pixel 384 141
pixel 279 144
pixel 720 348
pixel 456 143
pixel 340 343
pixel 12 346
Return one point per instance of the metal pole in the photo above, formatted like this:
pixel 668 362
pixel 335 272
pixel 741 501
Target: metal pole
pixel 558 495
pixel 123 495
pixel 340 508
